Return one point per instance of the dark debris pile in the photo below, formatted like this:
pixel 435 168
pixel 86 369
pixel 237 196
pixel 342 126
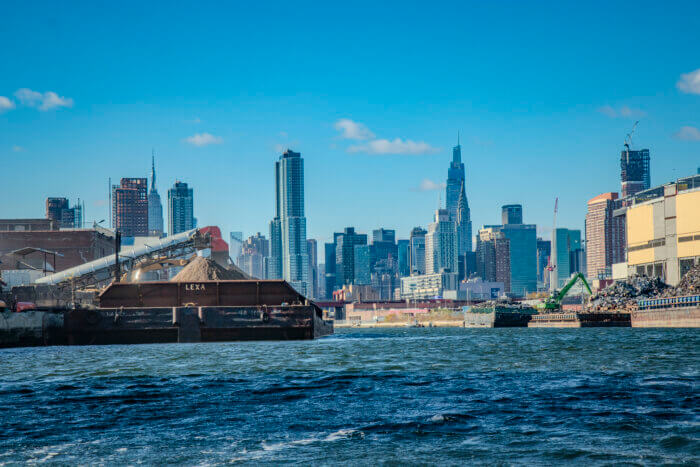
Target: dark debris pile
pixel 624 294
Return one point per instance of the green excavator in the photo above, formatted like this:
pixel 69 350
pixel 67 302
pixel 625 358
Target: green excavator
pixel 553 303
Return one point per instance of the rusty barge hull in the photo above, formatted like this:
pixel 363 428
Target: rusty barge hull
pixel 107 326
pixel 684 317
pixel 580 320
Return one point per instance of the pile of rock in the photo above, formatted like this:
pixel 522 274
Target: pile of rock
pixel 624 294
pixel 689 284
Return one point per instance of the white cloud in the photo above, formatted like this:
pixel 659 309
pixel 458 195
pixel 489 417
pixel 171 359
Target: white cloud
pixel 688 133
pixel 690 82
pixel 353 130
pixel 396 146
pixel 624 112
pixel 16 148
pixel 6 104
pixel 429 185
pixel 46 101
pixel 204 139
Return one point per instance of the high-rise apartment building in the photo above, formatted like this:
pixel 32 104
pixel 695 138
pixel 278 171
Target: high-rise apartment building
pixel 345 255
pixel 457 204
pixel 493 257
pixel 155 207
pixel 383 246
pixel 512 214
pixel 417 250
pixel 635 171
pixel 441 244
pixel 288 257
pixel 130 207
pixel 605 236
pixel 180 208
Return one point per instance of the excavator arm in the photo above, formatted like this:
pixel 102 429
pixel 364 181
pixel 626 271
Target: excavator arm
pixel 570 284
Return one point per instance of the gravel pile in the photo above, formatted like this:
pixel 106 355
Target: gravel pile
pixel 205 269
pixel 689 284
pixel 624 294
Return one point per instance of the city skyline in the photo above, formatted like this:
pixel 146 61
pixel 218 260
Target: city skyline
pixel 391 131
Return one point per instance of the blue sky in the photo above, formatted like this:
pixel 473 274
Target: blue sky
pixel 542 93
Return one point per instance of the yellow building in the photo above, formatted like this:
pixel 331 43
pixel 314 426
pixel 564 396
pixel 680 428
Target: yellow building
pixel 663 230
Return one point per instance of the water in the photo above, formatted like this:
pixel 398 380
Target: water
pixel 448 396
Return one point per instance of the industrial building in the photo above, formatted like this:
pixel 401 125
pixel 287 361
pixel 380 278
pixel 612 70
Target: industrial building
pixel 663 230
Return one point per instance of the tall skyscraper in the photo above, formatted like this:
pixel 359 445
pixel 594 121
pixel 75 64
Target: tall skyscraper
pixel 363 275
pixel 130 207
pixel 288 257
pixel 544 251
pixel 180 208
pixel 155 207
pixel 251 258
pixel 441 244
pixel 565 251
pixel 235 245
pixel 403 254
pixel 635 171
pixel 330 270
pixel 459 212
pixel 345 255
pixel 605 236
pixel 417 250
pixel 512 214
pixel 312 252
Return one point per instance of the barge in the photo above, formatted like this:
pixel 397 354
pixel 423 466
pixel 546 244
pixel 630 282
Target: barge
pixel 497 317
pixel 668 312
pixel 580 320
pixel 160 312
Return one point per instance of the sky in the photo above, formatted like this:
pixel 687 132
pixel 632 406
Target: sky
pixel 372 94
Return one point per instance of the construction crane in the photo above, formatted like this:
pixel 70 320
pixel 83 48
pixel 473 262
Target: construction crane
pixel 553 303
pixel 553 244
pixel 628 138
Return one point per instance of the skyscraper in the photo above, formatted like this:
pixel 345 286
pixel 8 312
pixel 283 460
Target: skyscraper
pixel 493 257
pixel 403 253
pixel 312 252
pixel 565 250
pixel 345 255
pixel 459 212
pixel 635 171
pixel 180 208
pixel 130 207
pixel 235 245
pixel 417 250
pixel 330 270
pixel 288 256
pixel 251 258
pixel 155 207
pixel 441 244
pixel 544 251
pixel 512 214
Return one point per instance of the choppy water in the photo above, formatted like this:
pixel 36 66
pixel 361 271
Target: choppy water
pixel 448 396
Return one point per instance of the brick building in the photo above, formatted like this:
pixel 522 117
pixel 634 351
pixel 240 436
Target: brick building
pixel 130 207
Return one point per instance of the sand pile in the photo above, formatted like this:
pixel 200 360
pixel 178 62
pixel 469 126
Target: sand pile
pixel 205 269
